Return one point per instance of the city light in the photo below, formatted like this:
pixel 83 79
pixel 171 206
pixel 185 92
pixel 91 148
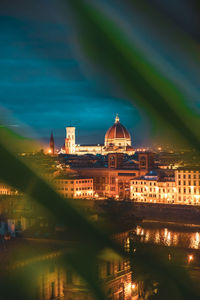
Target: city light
pixel 133 286
pixel 190 258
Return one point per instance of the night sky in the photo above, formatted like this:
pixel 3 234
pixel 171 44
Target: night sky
pixel 43 84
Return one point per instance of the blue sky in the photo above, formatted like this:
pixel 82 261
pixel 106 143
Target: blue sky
pixel 43 86
pixel 46 85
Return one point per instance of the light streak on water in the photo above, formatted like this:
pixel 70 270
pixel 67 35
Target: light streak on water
pixel 169 237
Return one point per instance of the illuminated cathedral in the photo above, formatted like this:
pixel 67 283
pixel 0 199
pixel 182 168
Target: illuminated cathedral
pixel 117 139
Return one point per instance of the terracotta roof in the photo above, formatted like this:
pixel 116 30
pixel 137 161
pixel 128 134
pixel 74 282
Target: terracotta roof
pixel 117 131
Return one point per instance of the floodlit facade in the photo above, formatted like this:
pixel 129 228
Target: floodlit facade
pixel 153 191
pixel 184 189
pixel 188 186
pixel 117 139
pixel 79 188
pixel 114 183
pixel 7 190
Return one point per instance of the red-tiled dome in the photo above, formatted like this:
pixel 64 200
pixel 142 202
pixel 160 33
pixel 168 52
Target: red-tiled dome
pixel 117 131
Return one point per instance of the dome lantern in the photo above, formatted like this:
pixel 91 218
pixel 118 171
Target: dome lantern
pixel 116 118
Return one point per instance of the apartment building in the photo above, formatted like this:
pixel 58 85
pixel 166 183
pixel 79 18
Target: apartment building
pixel 7 190
pixel 151 189
pixel 79 188
pixel 188 186
pixel 184 189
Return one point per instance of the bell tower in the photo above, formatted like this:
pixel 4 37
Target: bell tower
pixel 70 140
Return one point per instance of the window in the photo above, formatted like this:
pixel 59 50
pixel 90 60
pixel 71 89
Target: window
pixel 52 290
pixel 112 180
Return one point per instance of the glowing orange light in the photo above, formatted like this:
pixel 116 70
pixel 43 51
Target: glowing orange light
pixel 190 258
pixel 133 286
pixel 49 151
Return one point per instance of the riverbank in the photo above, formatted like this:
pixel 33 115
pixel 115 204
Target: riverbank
pixel 181 214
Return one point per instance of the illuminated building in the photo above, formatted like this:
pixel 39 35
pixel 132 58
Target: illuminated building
pixel 70 146
pixel 7 190
pixel 117 136
pixel 184 189
pixel 117 139
pixel 151 189
pixel 188 185
pixel 113 181
pixel 146 161
pixel 79 188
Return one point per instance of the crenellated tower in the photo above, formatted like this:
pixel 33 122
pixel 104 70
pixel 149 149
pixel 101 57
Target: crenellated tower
pixel 70 140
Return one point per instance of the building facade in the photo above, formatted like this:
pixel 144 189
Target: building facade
pixel 110 183
pixel 152 190
pixel 7 190
pixel 188 186
pixel 76 188
pixel 183 189
pixel 117 139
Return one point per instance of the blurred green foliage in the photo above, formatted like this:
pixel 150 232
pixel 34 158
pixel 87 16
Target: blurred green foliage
pixel 109 48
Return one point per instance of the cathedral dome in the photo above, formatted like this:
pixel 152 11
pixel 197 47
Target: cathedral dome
pixel 117 135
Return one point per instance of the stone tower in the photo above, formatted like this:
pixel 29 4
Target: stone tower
pixel 70 140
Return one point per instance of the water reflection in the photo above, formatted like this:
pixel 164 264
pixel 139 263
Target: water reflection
pixel 194 242
pixel 169 237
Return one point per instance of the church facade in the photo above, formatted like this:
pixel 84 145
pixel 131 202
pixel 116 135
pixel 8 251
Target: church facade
pixel 117 139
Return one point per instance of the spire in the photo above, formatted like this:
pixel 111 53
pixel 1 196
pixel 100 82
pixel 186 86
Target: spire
pixel 51 144
pixel 51 138
pixel 116 118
